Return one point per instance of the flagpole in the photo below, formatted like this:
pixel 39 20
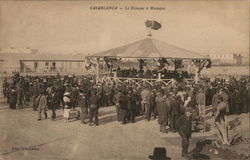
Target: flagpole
pixel 149 32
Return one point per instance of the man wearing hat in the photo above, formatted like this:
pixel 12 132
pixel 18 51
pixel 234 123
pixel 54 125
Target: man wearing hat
pixel 93 109
pixel 83 104
pixel 42 105
pixel 116 100
pixel 163 110
pixel 35 94
pixel 176 105
pixel 19 91
pixel 183 126
pixel 145 97
pixel 55 102
pixel 131 106
pixel 200 99
pixel 225 97
pixel 12 98
pixel 123 103
pixel 73 96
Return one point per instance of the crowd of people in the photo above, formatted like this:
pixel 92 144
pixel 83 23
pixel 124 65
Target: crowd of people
pixel 174 105
pixel 153 74
pixel 137 98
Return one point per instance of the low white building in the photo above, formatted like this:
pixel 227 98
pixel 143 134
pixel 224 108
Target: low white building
pixel 30 61
pixel 231 58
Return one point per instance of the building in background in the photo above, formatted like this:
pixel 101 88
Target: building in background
pixel 13 50
pixel 30 61
pixel 245 59
pixel 52 65
pixel 10 58
pixel 226 59
pixel 1 65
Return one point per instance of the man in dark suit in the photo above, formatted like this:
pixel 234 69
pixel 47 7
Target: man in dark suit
pixel 94 102
pixel 35 94
pixel 55 102
pixel 131 106
pixel 123 102
pixel 183 126
pixel 163 108
pixel 176 105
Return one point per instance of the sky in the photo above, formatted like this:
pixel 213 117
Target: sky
pixel 72 27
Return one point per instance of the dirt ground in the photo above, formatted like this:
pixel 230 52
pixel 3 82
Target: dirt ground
pixel 22 137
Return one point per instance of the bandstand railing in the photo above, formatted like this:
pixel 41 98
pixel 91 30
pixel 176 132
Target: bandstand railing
pixel 151 81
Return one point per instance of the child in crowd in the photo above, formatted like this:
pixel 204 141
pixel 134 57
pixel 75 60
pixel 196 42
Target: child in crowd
pixel 66 110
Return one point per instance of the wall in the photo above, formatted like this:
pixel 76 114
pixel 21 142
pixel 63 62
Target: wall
pixel 73 67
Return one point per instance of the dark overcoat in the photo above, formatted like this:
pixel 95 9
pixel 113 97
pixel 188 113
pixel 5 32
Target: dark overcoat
pixel 123 103
pixel 163 110
pixel 175 108
pixel 183 126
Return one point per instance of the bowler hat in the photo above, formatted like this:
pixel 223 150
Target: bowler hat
pixel 159 154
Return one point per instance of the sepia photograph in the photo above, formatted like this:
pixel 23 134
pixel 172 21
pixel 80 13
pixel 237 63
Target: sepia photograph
pixel 124 80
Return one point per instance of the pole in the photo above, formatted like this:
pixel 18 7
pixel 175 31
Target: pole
pixel 196 74
pixel 149 32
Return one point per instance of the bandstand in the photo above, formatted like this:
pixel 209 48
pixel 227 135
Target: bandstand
pixel 160 53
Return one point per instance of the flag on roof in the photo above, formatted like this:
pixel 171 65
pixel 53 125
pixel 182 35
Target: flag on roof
pixel 153 24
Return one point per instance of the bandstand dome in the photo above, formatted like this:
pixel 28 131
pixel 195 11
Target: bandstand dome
pixel 149 48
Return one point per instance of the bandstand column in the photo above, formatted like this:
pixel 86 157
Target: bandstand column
pixel 25 69
pixel 159 76
pixel 197 75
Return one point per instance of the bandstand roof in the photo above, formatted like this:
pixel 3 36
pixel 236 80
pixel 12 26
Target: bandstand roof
pixel 149 48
